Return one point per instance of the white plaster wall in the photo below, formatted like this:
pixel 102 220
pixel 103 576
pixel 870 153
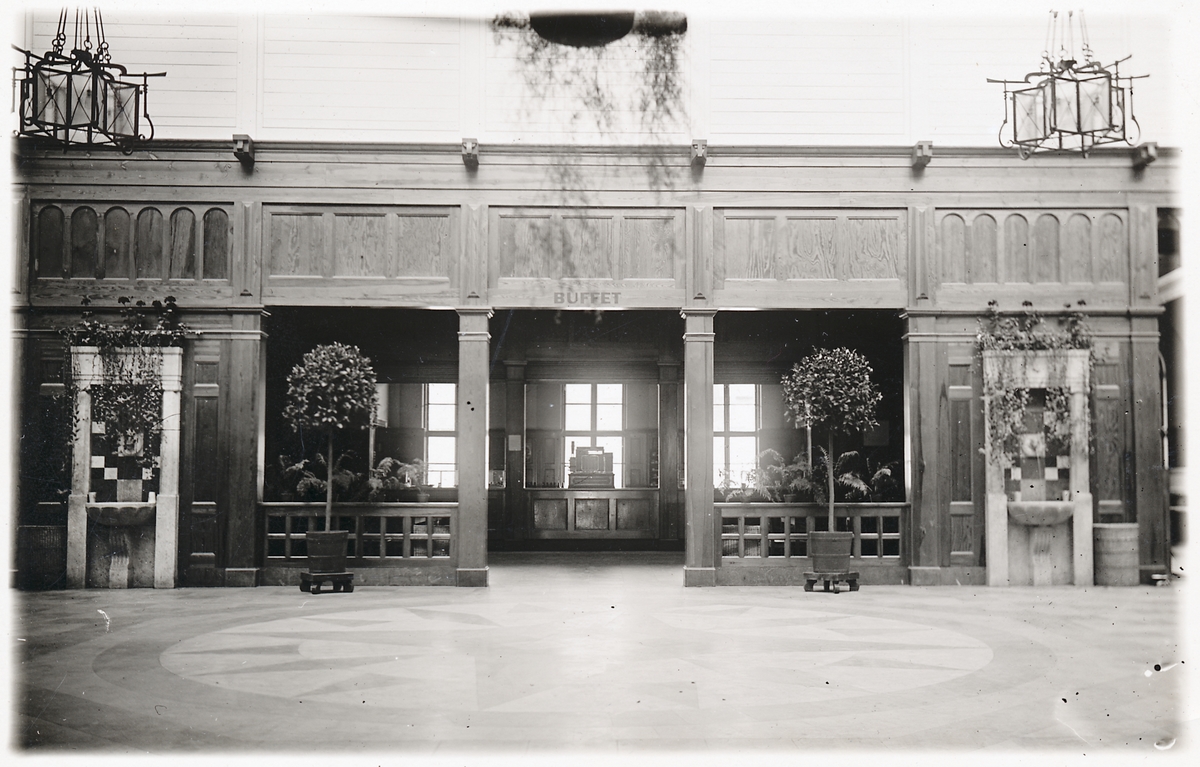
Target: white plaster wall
pixel 758 77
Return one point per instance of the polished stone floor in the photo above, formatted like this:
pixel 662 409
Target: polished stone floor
pixel 598 653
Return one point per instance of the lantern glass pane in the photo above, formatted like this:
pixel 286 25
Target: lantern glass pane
pixel 1029 113
pixel 119 117
pixel 1095 105
pixel 1064 111
pixel 81 100
pixel 50 98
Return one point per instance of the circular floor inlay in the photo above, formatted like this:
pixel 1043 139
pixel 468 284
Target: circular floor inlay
pixel 511 656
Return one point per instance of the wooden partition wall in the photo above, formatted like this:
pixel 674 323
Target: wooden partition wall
pixel 799 230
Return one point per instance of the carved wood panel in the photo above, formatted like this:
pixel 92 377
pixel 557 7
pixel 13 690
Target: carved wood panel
pixel 296 244
pixel 982 264
pixel 1112 458
pixel 586 256
pixel 426 246
pixel 649 248
pixel 591 513
pixel 1045 249
pixel 1077 249
pixel 749 248
pixel 809 241
pixel 112 242
pixel 550 513
pixel 1112 249
pixel 117 239
pixel 635 514
pixel 792 245
pixel 1031 246
pixel 874 248
pixel 962 536
pixel 361 253
pixel 359 245
pixel 962 475
pixel 1015 267
pixel 587 251
pixel 953 248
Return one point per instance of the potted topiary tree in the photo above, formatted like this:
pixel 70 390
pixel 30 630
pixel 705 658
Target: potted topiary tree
pixel 831 389
pixel 330 391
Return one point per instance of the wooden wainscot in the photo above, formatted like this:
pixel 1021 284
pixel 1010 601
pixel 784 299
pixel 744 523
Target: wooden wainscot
pixel 389 544
pixel 766 544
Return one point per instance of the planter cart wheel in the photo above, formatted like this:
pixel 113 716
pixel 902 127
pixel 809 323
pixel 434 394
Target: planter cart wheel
pixel 311 582
pixel 831 581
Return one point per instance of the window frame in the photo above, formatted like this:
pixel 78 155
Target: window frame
pixel 723 434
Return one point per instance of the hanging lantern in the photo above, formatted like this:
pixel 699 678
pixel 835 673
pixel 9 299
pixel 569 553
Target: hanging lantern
pixel 83 98
pixel 1068 105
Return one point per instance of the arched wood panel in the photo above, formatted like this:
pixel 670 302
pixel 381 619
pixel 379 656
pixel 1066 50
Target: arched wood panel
pixel 1016 249
pixel 217 235
pixel 85 242
pixel 1077 249
pixel 953 243
pixel 50 243
pixel 148 252
pixel 118 237
pixel 1046 266
pixel 183 245
pixel 981 261
pixel 114 249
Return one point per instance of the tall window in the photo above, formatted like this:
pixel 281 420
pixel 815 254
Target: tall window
pixel 735 432
pixel 440 435
pixel 594 416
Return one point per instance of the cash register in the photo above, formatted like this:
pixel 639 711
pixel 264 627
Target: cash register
pixel 591 467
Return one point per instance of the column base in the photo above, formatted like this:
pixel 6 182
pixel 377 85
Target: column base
pixel 954 575
pixel 472 576
pixel 241 577
pixel 699 576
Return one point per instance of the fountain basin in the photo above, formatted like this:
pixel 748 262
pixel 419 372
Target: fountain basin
pixel 121 514
pixel 1039 513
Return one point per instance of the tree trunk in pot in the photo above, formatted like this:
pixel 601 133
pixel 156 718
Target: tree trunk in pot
pixel 829 474
pixel 329 484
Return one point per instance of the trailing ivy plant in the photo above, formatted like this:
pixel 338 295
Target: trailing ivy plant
pixel 832 388
pixel 575 74
pixel 128 396
pixel 1007 402
pixel 331 390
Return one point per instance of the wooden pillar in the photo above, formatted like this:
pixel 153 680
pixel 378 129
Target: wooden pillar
pixel 473 347
pixel 670 458
pixel 242 424
pixel 1150 474
pixel 700 536
pixel 514 525
pixel 923 392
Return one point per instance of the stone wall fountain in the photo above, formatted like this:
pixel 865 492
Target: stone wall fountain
pixel 1039 504
pixel 121 531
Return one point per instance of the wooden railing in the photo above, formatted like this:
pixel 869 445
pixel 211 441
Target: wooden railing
pixel 380 534
pixel 777 533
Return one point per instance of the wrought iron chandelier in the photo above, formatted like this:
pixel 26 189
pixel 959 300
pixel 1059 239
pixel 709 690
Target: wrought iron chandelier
pixel 82 98
pixel 1068 105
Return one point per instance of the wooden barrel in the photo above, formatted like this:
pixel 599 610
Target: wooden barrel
pixel 1116 554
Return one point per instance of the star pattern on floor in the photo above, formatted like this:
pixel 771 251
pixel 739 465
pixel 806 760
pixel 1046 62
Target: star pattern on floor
pixel 576 659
